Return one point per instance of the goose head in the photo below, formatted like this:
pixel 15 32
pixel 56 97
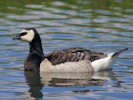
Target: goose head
pixel 32 36
pixel 27 34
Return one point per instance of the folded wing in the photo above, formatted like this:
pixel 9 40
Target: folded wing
pixel 73 55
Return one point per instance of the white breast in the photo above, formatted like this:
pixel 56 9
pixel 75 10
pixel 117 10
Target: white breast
pixel 81 66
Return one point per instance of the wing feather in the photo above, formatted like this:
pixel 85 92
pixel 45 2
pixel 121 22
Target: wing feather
pixel 73 55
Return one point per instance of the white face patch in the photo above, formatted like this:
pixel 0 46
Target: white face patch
pixel 29 36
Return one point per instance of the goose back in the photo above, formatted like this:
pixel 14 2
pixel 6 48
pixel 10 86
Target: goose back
pixel 73 55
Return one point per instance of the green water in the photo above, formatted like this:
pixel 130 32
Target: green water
pixel 100 25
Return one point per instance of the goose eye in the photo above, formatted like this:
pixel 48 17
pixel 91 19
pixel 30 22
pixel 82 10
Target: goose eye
pixel 24 33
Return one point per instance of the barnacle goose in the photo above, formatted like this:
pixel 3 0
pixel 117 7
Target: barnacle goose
pixel 67 60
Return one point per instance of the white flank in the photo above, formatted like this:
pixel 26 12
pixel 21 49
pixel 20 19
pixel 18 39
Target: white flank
pixel 81 66
pixel 29 36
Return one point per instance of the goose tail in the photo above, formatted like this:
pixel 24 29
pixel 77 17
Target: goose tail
pixel 119 52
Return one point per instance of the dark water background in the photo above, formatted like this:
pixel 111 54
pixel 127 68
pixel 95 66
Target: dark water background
pixel 100 25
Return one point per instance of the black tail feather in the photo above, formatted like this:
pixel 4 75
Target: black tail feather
pixel 119 52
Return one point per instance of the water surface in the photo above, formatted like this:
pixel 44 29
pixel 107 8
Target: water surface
pixel 103 25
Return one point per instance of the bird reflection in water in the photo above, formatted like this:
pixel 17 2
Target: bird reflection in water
pixel 33 80
pixel 37 80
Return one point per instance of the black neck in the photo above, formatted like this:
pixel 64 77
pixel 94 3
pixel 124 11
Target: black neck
pixel 36 46
pixel 35 54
